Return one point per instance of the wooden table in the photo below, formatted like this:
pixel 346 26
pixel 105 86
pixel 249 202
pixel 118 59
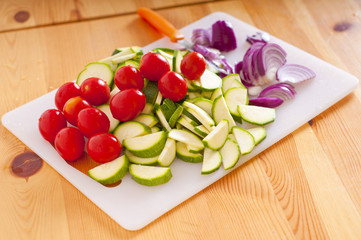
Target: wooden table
pixel 307 186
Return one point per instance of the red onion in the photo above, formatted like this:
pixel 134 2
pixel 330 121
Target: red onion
pixel 270 102
pixel 223 37
pixel 282 91
pixel 202 37
pixel 294 73
pixel 258 37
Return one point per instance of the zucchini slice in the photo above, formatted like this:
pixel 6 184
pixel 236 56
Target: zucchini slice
pixel 110 172
pixel 168 154
pixel 138 160
pixel 231 81
pixel 186 137
pixel 146 146
pixel 216 139
pixel 150 175
pixel 96 69
pixel 244 139
pixel 220 111
pixel 212 160
pixel 184 155
pixel 147 119
pixel 230 154
pixel 257 115
pixel 130 129
pixel 113 122
pixel 258 133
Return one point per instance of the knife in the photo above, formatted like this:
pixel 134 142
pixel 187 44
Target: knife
pixel 164 26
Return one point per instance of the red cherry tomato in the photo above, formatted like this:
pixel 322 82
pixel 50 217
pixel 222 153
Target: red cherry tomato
pixel 50 123
pixel 173 86
pixel 127 104
pixel 103 147
pixel 128 77
pixel 92 121
pixel 95 90
pixel 153 66
pixel 72 108
pixel 193 65
pixel 70 143
pixel 65 92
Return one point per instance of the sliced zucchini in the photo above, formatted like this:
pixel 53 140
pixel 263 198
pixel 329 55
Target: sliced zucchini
pixel 194 149
pixel 257 115
pixel 158 100
pixel 150 175
pixel 148 108
pixel 112 93
pixel 113 122
pixel 185 155
pixel 130 129
pixel 207 94
pixel 201 130
pixel 146 146
pixel 151 92
pixel 176 114
pixel 210 80
pixel 231 81
pixel 200 114
pixel 123 58
pixel 96 69
pixel 220 111
pixel 216 93
pixel 177 59
pixel 117 53
pixel 185 123
pixel 244 139
pixel 110 172
pixel 203 103
pixel 163 120
pixel 216 139
pixel 236 96
pixel 147 119
pixel 138 160
pixel 212 160
pixel 168 153
pixel 258 133
pixel 192 120
pixel 230 154
pixel 155 129
pixel 186 137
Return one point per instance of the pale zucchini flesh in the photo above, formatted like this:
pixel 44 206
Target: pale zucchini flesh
pixel 113 122
pixel 184 155
pixel 146 146
pixel 258 133
pixel 130 129
pixel 147 119
pixel 244 139
pixel 230 81
pixel 230 154
pixel 138 160
pixel 212 160
pixel 185 137
pixel 110 172
pixel 150 175
pixel 216 139
pixel 257 115
pixel 96 69
pixel 220 111
pixel 168 153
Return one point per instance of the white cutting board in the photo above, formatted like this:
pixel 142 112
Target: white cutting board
pixel 134 206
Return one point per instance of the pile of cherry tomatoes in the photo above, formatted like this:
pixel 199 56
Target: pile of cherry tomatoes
pixel 76 105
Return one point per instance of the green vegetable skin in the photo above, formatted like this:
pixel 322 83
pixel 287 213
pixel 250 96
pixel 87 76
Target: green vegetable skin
pixel 192 129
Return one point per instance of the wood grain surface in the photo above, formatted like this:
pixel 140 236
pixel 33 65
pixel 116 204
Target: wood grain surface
pixel 306 186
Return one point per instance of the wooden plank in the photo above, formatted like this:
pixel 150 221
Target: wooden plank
pixel 305 186
pixel 33 13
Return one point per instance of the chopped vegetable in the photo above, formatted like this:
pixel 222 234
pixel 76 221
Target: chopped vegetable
pixel 294 73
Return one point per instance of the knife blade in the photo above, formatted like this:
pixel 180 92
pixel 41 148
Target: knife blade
pixel 164 26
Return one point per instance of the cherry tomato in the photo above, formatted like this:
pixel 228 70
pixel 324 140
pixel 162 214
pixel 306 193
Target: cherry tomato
pixel 173 86
pixel 65 92
pixel 50 123
pixel 128 77
pixel 153 66
pixel 72 107
pixel 92 121
pixel 95 90
pixel 103 147
pixel 70 143
pixel 193 65
pixel 127 104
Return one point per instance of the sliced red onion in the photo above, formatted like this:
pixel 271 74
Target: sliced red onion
pixel 270 57
pixel 294 73
pixel 201 36
pixel 283 91
pixel 248 65
pixel 238 67
pixel 270 102
pixel 223 37
pixel 258 37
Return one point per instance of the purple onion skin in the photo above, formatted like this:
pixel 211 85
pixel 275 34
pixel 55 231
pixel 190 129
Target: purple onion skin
pixel 269 102
pixel 223 37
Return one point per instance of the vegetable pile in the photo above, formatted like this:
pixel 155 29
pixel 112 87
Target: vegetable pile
pixel 141 111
